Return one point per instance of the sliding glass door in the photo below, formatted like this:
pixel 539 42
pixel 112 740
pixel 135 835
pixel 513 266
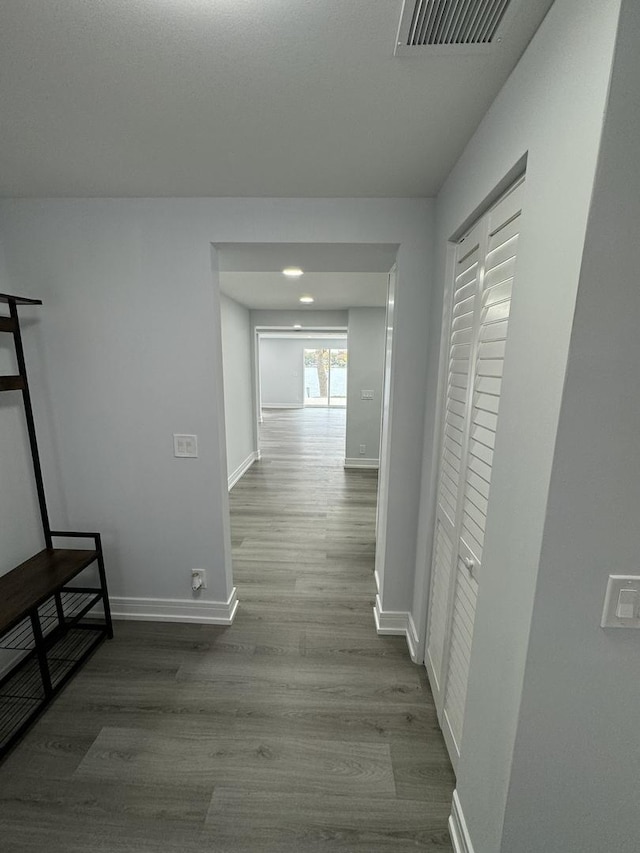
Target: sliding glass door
pixel 325 377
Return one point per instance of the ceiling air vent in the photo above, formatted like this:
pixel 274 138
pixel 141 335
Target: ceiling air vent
pixel 467 24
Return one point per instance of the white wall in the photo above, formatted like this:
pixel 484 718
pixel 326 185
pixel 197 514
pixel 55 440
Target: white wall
pixel 550 111
pixel 238 383
pixel 124 356
pixel 367 337
pixel 308 318
pixel 577 747
pixel 282 368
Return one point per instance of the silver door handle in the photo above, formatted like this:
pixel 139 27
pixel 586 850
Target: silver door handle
pixel 469 563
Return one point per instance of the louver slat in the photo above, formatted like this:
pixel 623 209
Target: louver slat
pixel 445 23
pixel 460 22
pixel 493 21
pixel 436 36
pixel 420 13
pixel 473 23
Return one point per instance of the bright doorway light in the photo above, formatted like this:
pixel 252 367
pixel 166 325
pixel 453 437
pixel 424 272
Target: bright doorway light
pixel 306 299
pixel 292 272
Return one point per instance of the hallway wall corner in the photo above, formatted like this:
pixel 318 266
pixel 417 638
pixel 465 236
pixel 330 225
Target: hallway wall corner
pixel 397 623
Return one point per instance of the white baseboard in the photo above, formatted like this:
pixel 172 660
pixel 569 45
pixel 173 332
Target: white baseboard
pixel 389 621
pixel 176 610
pixel 458 828
pixel 396 623
pixel 284 406
pixel 377 579
pixel 243 468
pixel 361 462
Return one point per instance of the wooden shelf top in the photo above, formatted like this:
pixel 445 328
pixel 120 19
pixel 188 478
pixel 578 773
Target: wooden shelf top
pixel 11 383
pixel 19 300
pixel 33 581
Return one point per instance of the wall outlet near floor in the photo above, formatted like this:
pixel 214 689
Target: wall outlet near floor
pixel 363 449
pixel 198 579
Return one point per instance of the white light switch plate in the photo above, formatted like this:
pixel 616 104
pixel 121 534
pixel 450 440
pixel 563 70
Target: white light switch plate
pixel 366 395
pixel 616 604
pixel 185 446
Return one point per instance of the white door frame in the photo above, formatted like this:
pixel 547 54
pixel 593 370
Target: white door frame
pixel 383 497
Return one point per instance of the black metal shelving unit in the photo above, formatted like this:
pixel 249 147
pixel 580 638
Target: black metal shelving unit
pixel 49 626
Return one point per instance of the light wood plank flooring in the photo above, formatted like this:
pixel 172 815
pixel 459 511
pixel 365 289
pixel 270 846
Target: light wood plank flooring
pixel 296 729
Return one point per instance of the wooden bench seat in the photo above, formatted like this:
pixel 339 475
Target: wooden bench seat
pixel 32 582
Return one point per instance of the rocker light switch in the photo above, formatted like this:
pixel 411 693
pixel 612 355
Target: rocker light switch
pixel 622 602
pixel 627 604
pixel 185 446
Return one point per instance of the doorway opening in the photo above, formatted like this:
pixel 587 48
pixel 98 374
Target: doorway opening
pixel 325 377
pixel 305 368
pixel 327 409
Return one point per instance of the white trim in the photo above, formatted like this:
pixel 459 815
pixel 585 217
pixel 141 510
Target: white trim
pixel 243 468
pixel 396 623
pixel 377 580
pixel 458 828
pixel 449 740
pixel 263 331
pixel 443 719
pixel 283 406
pixel 413 641
pixel 389 622
pixel 361 462
pixel 176 610
pixel 434 681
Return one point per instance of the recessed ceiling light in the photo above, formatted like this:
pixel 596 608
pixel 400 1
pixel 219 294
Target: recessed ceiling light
pixel 293 272
pixel 306 299
pixel 297 326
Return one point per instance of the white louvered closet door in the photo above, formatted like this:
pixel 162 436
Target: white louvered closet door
pixel 484 274
pixel 452 451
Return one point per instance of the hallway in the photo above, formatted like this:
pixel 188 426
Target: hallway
pixel 303 528
pixel 296 730
pixel 303 533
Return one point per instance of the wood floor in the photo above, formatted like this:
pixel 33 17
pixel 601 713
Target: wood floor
pixel 297 729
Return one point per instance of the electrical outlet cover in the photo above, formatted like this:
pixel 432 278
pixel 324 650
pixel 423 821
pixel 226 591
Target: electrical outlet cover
pixel 203 576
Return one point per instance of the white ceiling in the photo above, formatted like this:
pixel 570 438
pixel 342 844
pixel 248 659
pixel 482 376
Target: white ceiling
pixel 341 337
pixel 337 275
pixel 331 291
pixel 297 98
